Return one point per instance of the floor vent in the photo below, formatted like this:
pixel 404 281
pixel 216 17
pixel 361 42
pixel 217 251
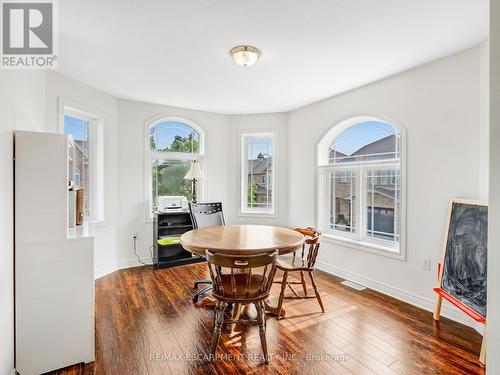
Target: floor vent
pixel 353 285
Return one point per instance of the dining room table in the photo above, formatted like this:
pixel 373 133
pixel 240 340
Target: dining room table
pixel 242 240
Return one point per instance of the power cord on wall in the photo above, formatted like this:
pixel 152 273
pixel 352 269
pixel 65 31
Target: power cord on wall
pixel 137 255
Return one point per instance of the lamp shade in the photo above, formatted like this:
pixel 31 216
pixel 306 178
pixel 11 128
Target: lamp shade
pixel 194 172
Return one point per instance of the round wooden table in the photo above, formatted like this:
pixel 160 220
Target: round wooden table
pixel 243 240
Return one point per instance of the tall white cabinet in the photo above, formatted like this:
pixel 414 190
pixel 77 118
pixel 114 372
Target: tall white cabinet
pixel 54 264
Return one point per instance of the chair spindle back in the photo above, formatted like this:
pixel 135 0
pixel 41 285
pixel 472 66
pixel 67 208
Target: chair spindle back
pixel 310 248
pixel 242 277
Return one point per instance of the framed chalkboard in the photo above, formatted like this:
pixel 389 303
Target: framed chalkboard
pixel 463 274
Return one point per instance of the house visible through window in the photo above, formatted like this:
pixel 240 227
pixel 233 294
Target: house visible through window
pixel 78 129
pixel 173 146
pixel 257 195
pixel 361 169
pixel 86 171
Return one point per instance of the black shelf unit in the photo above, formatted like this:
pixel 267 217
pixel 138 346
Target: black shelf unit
pixel 172 224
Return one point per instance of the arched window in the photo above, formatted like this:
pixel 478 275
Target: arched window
pixel 361 189
pixel 172 144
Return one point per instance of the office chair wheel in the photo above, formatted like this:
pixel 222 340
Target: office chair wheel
pixel 201 293
pixel 198 282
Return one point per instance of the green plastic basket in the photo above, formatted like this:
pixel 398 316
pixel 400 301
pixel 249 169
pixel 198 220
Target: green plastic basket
pixel 169 241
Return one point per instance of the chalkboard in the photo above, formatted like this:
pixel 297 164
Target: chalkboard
pixel 465 259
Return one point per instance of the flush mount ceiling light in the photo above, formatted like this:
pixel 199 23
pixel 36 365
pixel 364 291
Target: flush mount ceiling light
pixel 245 55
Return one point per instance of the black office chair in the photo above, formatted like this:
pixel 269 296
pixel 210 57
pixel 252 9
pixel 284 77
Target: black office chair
pixel 205 215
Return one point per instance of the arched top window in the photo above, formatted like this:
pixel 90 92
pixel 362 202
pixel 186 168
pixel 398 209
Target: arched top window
pixel 174 136
pixel 361 192
pixel 369 140
pixel 172 145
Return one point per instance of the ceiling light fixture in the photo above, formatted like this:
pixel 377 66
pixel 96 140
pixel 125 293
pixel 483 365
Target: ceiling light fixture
pixel 245 55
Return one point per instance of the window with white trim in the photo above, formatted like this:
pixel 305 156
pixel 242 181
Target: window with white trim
pixel 257 174
pixel 86 159
pixel 171 146
pixel 360 171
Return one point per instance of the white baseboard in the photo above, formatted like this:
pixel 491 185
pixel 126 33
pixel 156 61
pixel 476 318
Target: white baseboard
pixel 408 297
pixel 105 270
pixel 129 263
pixel 122 264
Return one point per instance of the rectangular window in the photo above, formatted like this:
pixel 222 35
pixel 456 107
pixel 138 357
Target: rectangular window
pixel 343 201
pixel 258 182
pixel 168 179
pixel 86 160
pixel 364 204
pixel 382 204
pixel 78 129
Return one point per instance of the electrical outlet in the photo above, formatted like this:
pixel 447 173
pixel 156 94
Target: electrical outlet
pixel 426 265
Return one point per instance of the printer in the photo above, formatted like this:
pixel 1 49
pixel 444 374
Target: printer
pixel 172 203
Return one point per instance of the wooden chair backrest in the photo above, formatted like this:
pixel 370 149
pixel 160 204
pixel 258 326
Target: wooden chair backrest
pixel 309 250
pixel 229 265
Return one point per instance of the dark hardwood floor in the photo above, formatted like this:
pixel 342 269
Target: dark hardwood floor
pixel 146 324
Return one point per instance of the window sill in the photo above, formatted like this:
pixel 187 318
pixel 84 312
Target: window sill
pixel 258 214
pixel 366 246
pixel 86 230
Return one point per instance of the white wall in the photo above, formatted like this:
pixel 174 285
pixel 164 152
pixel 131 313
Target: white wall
pixel 493 353
pixel 90 99
pixel 484 120
pixel 278 124
pixel 22 106
pixel 132 116
pixel 439 105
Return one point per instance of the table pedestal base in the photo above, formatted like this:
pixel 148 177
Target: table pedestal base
pixel 210 302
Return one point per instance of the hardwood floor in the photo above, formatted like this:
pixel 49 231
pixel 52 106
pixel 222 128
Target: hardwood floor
pixel 146 324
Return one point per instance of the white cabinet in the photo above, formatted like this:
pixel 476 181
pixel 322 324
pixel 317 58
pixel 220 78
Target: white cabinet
pixel 54 272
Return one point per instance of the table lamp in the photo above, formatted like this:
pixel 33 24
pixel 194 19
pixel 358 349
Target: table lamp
pixel 194 174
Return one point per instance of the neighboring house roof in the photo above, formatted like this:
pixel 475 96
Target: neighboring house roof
pixel 389 192
pixel 259 166
pixel 261 189
pixel 382 145
pixel 338 154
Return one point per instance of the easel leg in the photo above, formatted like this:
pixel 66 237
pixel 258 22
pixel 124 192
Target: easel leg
pixel 482 355
pixel 437 307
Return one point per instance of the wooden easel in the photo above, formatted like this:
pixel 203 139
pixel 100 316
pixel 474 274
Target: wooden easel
pixel 443 294
pixel 474 315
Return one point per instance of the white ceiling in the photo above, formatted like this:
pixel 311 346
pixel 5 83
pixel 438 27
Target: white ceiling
pixel 175 52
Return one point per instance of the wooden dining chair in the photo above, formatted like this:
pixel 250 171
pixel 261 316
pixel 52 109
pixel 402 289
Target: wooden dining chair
pixel 245 280
pixel 303 261
pixel 205 215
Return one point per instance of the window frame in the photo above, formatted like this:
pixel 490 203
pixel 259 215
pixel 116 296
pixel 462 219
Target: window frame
pixel 360 240
pixel 97 202
pixel 243 209
pixel 150 155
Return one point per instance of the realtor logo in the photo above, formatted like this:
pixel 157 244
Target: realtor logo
pixel 28 35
